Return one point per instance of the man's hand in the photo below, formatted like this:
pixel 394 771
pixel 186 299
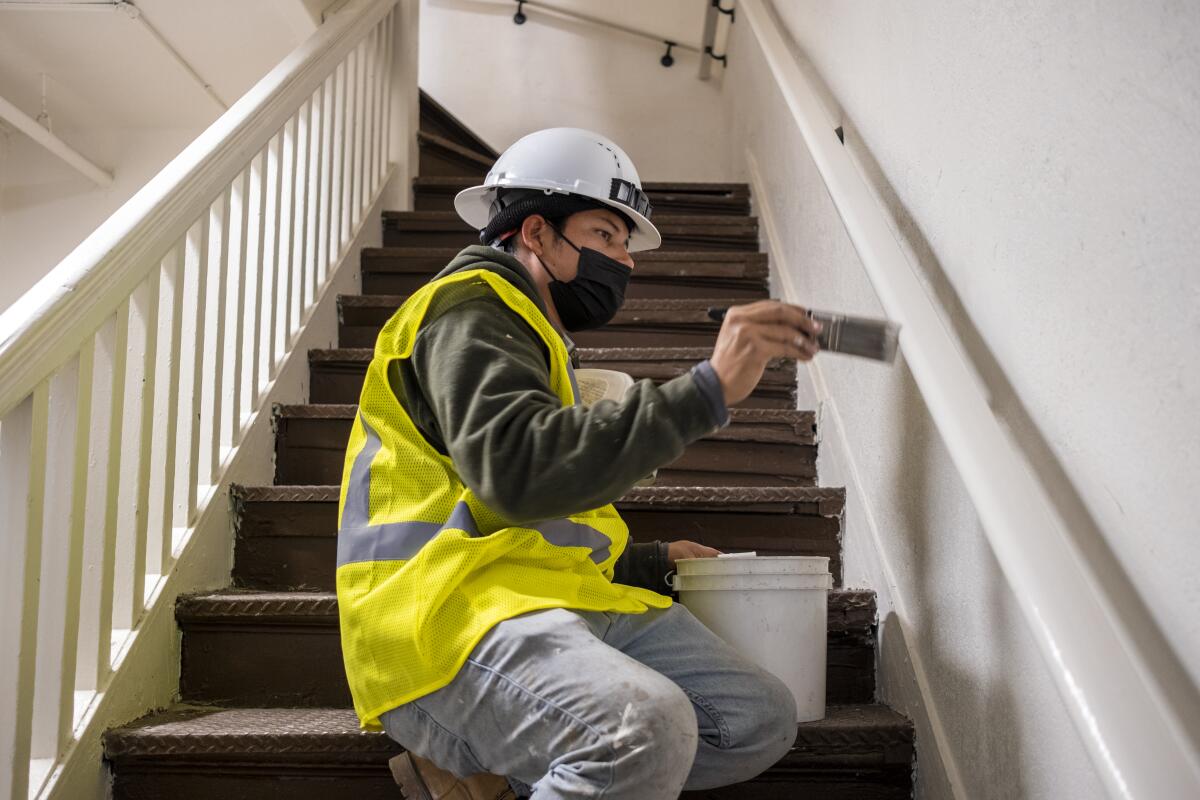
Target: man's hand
pixel 686 549
pixel 754 334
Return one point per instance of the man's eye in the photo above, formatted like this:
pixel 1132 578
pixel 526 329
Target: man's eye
pixel 607 236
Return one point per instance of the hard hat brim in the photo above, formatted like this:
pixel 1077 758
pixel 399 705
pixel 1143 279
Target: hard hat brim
pixel 474 206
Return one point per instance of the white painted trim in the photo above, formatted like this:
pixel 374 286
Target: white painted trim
pixel 925 716
pixel 149 677
pixel 29 126
pixel 1137 712
pixel 50 322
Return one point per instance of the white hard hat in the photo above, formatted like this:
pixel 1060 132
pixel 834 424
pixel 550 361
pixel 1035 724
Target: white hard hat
pixel 565 161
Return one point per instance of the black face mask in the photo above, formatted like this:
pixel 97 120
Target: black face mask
pixel 595 294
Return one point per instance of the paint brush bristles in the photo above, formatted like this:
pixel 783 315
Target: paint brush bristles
pixel 876 339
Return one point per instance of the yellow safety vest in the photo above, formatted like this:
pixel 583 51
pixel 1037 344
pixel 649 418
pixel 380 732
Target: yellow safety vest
pixel 424 568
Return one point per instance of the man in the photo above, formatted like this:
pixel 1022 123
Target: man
pixel 494 620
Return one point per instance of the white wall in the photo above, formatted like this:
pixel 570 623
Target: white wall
pixel 47 208
pixel 504 81
pixel 117 96
pixel 1041 163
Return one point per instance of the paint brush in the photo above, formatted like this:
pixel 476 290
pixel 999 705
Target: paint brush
pixel 840 333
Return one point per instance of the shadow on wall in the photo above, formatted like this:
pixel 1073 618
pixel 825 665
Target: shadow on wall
pixel 1078 520
pixel 981 701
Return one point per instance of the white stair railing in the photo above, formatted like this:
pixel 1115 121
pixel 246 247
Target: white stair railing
pixel 1136 710
pixel 128 374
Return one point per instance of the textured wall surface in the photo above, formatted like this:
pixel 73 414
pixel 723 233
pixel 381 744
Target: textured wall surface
pixel 505 81
pixel 1040 164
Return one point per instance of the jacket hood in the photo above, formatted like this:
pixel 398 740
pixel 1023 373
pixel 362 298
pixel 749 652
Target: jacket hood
pixel 479 256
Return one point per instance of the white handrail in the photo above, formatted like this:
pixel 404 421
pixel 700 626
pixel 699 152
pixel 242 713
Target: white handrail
pixel 129 374
pixel 1136 711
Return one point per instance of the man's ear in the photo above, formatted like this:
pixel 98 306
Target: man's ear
pixel 531 231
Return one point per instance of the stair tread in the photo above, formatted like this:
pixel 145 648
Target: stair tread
pixel 849 609
pixel 662 496
pixel 250 734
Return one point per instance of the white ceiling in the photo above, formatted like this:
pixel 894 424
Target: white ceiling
pixel 105 70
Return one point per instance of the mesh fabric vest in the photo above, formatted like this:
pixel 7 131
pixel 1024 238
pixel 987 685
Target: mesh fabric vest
pixel 424 568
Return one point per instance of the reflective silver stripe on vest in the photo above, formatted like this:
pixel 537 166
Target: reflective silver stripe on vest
pixel 358 540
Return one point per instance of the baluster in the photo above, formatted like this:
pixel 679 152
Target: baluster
pixel 382 70
pixel 196 267
pixel 238 272
pixel 95 598
pixel 140 383
pixel 258 299
pixel 213 377
pixel 371 42
pixel 271 258
pixel 22 488
pixel 389 28
pixel 300 208
pixel 58 607
pixel 72 641
pixel 322 257
pixel 119 342
pixel 128 551
pixel 347 187
pixel 160 539
pixel 336 158
pixel 313 195
pixel 356 142
pixel 287 222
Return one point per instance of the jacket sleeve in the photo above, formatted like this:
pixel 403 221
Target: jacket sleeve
pixel 484 374
pixel 644 564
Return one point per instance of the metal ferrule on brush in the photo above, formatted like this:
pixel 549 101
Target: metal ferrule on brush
pixel 857 336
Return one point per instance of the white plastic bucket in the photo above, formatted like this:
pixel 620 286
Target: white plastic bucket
pixel 771 609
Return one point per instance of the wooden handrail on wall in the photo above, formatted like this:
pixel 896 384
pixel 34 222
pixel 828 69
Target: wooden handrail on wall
pixel 1136 712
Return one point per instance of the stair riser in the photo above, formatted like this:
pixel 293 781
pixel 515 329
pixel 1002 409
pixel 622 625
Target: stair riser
pixel 311 452
pixel 678 242
pixel 400 231
pixel 436 161
pixel 341 382
pixel 609 336
pixel 437 120
pixel 640 288
pixel 234 781
pixel 255 665
pixel 286 545
pixel 442 199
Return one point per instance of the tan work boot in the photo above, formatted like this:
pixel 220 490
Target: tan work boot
pixel 419 779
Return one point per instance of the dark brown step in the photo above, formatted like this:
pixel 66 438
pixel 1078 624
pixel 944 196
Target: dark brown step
pixel 858 752
pixel 442 156
pixel 240 649
pixel 436 193
pixel 286 535
pixel 335 376
pixel 761 447
pixel 639 323
pixel 436 119
pixel 658 274
pixel 679 232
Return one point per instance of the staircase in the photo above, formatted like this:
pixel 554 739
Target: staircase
pixel 264 708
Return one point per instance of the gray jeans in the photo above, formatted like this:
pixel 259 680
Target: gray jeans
pixel 573 704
